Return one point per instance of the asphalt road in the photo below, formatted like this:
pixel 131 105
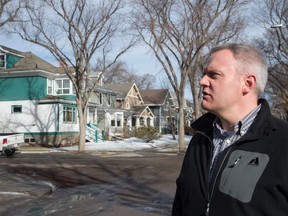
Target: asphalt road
pixel 135 184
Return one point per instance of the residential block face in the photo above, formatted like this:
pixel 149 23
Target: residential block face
pixel 39 100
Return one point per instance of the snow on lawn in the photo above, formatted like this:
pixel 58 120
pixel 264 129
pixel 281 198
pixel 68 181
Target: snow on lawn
pixel 131 144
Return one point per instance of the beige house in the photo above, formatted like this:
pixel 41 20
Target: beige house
pixel 129 100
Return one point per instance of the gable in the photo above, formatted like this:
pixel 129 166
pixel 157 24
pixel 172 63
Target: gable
pixel 9 57
pixel 11 60
pixel 135 94
pixel 147 112
pixel 154 96
pixel 142 111
pixel 16 61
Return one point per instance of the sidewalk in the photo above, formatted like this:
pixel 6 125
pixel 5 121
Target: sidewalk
pixel 36 149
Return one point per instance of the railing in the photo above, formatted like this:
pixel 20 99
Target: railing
pixel 93 133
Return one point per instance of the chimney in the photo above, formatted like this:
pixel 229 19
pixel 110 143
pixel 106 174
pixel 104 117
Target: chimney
pixel 62 62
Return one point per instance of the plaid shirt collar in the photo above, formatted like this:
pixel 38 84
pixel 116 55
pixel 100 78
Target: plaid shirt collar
pixel 241 127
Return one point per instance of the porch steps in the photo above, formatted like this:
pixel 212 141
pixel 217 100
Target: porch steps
pixel 91 131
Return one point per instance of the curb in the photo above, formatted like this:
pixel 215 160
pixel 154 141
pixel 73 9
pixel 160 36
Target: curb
pixel 18 185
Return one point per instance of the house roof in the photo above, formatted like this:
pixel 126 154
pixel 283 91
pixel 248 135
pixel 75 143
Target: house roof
pixel 104 89
pixel 10 50
pixel 32 63
pixel 154 96
pixel 52 99
pixel 29 62
pixel 122 89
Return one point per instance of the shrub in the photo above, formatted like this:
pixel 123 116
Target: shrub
pixel 147 133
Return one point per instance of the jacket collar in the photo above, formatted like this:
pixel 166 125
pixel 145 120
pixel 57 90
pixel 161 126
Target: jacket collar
pixel 262 123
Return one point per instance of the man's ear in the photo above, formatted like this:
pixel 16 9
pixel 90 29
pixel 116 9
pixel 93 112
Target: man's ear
pixel 249 83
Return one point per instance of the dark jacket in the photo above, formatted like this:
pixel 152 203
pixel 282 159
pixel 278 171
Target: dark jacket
pixel 251 176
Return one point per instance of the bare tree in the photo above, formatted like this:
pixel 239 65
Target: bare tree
pixel 278 91
pixel 76 32
pixel 210 23
pixel 273 15
pixel 120 73
pixel 179 32
pixel 9 10
pixel 145 81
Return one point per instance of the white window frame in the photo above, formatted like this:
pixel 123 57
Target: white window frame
pixel 117 119
pixel 15 109
pixel 61 89
pixel 69 114
pixel 49 87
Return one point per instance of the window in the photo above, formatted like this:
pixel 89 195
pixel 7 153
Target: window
pixel 109 100
pixel 69 114
pixel 49 87
pixel 100 98
pixel 2 60
pixel 127 103
pixel 58 86
pixel 113 122
pixel 119 120
pixel 63 86
pixel 66 86
pixel 116 120
pixel 16 109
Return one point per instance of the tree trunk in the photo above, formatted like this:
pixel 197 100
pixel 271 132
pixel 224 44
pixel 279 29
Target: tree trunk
pixel 196 100
pixel 181 132
pixel 82 112
pixel 195 93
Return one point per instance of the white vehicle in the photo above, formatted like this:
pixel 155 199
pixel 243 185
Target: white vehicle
pixel 10 143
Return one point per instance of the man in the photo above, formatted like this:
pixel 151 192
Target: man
pixel 237 161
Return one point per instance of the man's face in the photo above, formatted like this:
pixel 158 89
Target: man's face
pixel 222 85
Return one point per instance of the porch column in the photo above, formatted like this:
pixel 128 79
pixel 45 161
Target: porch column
pixel 108 122
pixel 145 121
pixel 151 121
pixel 137 122
pixel 122 120
pixel 88 116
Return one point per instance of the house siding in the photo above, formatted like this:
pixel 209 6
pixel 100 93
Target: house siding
pixel 11 60
pixel 22 88
pixel 34 118
pixel 26 106
pixel 40 122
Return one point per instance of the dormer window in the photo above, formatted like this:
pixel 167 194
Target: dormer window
pixel 2 60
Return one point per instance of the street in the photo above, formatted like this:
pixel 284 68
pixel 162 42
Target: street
pixel 142 183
